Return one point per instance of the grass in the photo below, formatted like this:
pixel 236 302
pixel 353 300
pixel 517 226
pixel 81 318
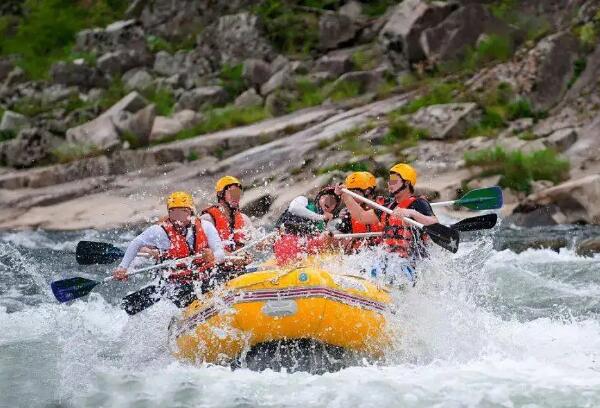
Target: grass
pixel 376 8
pixel 439 93
pixel 401 135
pixel 578 68
pixel 114 93
pixel 310 94
pixel 231 79
pixel 68 152
pixel 588 34
pixel 519 169
pixel 342 90
pixel 43 35
pixel 30 106
pixel 162 98
pixel 365 59
pixel 7 134
pixel 493 48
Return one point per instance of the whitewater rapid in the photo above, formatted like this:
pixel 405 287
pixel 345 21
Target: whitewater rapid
pixel 483 328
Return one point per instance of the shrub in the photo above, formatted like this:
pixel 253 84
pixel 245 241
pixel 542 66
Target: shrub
pixel 231 79
pixel 519 169
pixel 310 94
pixel 343 90
pixel 520 108
pixel 162 98
pixel 7 134
pixel 401 135
pixel 439 94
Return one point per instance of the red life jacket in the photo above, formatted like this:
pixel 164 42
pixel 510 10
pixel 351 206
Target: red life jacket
pixel 180 249
pixel 358 227
pixel 228 232
pixel 290 247
pixel 398 235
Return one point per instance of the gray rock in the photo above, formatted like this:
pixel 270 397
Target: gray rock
pixel 446 121
pixel 164 126
pixel 352 9
pixel 138 81
pixel 461 29
pixel 57 92
pixel 136 125
pixel 165 64
pixel 367 81
pixel 334 30
pixel 335 63
pixel 13 121
pixel 248 98
pixel 14 77
pixel 120 35
pixel 562 139
pixel 400 36
pixel 77 74
pixel 256 72
pixel 117 62
pixel 279 63
pixel 280 79
pixel 202 97
pixel 6 65
pixel 278 102
pixel 588 247
pixel 31 147
pixel 135 9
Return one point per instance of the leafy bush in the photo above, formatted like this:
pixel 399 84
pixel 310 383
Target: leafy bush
pixel 520 108
pixel 310 94
pixel 162 98
pixel 401 135
pixel 519 169
pixel 7 134
pixel 440 93
pixel 231 79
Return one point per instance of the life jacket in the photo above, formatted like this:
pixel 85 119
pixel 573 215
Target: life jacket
pixel 180 249
pixel 358 228
pixel 231 235
pixel 398 235
pixel 294 224
pixel 291 247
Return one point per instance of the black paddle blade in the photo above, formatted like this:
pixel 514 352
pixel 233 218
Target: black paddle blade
pixel 72 288
pixel 97 253
pixel 141 300
pixel 445 237
pixel 481 222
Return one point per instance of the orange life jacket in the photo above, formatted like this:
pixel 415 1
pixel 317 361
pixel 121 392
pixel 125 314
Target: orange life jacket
pixel 227 232
pixel 358 227
pixel 290 247
pixel 180 249
pixel 398 235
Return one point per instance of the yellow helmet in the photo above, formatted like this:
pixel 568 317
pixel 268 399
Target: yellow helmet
pixel 406 172
pixel 180 199
pixel 226 182
pixel 360 179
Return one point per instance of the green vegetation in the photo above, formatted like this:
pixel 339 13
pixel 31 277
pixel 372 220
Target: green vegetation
pixel 578 68
pixel 115 92
pixel 439 93
pixel 7 135
pixel 508 10
pixel 401 135
pixel 162 98
pixel 588 34
pixel 30 106
pixel 493 48
pixel 231 79
pixel 46 31
pixel 68 152
pixel 366 59
pixel 192 156
pixel 519 169
pixel 340 90
pixel 345 167
pixel 310 94
pixel 376 8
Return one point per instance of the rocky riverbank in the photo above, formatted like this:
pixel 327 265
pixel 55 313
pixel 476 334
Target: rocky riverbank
pixel 177 93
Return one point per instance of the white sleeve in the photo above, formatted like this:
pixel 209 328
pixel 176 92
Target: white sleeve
pixel 298 207
pixel 153 236
pixel 214 241
pixel 207 217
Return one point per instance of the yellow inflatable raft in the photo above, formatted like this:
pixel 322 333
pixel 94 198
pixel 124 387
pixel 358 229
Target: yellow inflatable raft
pixel 304 305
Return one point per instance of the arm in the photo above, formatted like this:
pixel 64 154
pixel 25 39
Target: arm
pixel 423 219
pixel 419 211
pixel 151 237
pixel 361 215
pixel 214 241
pixel 207 217
pixel 298 207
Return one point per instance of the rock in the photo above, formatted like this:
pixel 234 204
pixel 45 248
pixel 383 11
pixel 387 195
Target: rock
pixel 165 64
pixel 519 126
pixel 136 125
pixel 400 36
pixel 540 185
pixel 248 98
pixel 29 148
pixel 6 66
pixel 138 81
pixel 561 140
pixel 77 74
pixel 135 9
pixel 164 127
pixel 335 30
pixel 334 63
pixel 588 247
pixel 352 9
pixel 116 62
pixel 101 132
pixel 278 102
pixel 578 199
pixel 13 121
pixel 120 35
pixel 235 38
pixel 445 121
pixel 279 80
pixel 256 72
pixel 199 98
pixel 320 78
pixel 461 29
pixel 57 92
pixel 367 81
pixel 14 77
pixel 279 63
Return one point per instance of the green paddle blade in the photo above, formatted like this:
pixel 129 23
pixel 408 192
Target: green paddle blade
pixel 489 198
pixel 97 253
pixel 481 222
pixel 72 288
pixel 445 237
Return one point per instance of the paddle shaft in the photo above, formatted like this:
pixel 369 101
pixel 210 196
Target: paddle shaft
pixel 358 235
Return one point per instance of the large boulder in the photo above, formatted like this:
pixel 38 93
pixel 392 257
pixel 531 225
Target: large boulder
pixel 120 35
pixel 102 132
pixel 164 127
pixel 135 127
pixel 461 29
pixel 202 97
pixel 335 63
pixel 588 247
pixel 31 147
pixel 400 36
pixel 190 63
pixel 78 74
pixel 138 80
pixel 367 81
pixel 248 99
pixel 256 72
pixel 448 121
pixel 13 121
pixel 561 139
pixel 335 30
pixel 117 62
pixel 235 38
pixel 577 199
pixel 279 80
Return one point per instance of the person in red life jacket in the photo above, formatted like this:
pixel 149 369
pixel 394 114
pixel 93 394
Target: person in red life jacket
pixel 400 239
pixel 178 236
pixel 363 183
pixel 303 225
pixel 231 224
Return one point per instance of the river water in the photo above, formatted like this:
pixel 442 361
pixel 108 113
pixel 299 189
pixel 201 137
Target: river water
pixel 484 328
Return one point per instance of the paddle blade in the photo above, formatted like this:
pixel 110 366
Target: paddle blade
pixel 72 288
pixel 142 299
pixel 94 253
pixel 481 222
pixel 445 237
pixel 489 198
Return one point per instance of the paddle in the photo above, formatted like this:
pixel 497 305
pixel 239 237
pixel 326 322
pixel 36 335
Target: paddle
pixel 480 222
pixel 443 236
pixel 97 253
pixel 489 198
